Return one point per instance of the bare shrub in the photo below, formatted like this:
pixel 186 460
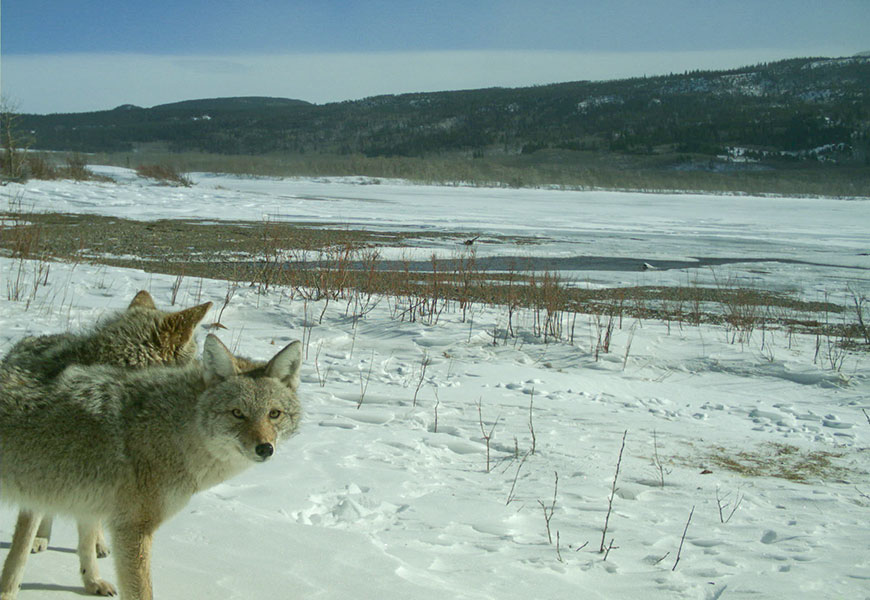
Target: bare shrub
pixel 165 174
pixel 604 333
pixel 38 167
pixel 724 503
pixel 13 145
pixel 547 296
pixel 77 167
pixel 31 267
pixel 860 301
pixel 466 276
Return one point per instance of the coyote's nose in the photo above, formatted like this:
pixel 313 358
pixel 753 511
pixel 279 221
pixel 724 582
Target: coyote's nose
pixel 264 451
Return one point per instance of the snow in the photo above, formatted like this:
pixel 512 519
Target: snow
pixel 552 223
pixel 377 497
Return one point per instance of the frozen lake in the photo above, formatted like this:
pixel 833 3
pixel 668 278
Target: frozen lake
pixel 810 246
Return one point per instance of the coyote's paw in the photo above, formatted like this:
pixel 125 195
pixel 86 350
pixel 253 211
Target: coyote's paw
pixel 7 596
pixel 40 544
pixel 102 550
pixel 100 587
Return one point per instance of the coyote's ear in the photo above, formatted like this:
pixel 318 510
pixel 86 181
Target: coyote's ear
pixel 176 329
pixel 218 363
pixel 285 365
pixel 142 300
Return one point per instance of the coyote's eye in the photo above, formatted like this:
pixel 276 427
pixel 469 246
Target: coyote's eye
pixel 274 413
pixel 238 414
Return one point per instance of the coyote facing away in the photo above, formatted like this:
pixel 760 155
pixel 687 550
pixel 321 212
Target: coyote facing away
pixel 131 447
pixel 138 337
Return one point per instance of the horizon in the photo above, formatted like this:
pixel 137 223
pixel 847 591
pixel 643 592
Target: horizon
pixel 863 54
pixel 54 59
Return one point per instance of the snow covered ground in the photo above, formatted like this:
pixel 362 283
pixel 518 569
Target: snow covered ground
pixel 829 236
pixel 382 497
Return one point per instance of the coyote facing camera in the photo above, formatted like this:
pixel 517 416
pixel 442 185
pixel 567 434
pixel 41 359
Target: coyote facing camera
pixel 131 447
pixel 138 337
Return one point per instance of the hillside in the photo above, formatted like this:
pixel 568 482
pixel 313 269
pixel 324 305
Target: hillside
pixel 800 109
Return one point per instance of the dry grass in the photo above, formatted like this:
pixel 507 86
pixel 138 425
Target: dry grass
pixel 345 266
pixel 39 167
pixel 30 267
pixel 164 173
pixel 47 167
pixel 783 461
pixel 564 169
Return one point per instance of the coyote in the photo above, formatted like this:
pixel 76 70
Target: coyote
pixel 130 447
pixel 138 337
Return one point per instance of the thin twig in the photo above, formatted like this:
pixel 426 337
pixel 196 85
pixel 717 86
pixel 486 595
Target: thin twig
pixel 723 505
pixel 531 423
pixel 486 436
pixel 683 539
pixel 612 494
pixel 610 547
pixel 364 385
pixel 658 462
pixel 437 404
pixel 424 364
pixel 511 496
pixel 548 512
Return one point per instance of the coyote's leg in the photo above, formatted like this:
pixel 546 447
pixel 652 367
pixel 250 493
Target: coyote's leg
pixel 43 535
pixel 131 544
pixel 102 546
pixel 89 531
pixel 22 542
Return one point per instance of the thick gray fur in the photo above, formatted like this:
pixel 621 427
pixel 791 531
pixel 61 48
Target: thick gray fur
pixel 130 447
pixel 137 337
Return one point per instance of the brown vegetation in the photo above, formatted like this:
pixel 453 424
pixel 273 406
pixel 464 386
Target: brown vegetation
pixel 345 266
pixel 164 173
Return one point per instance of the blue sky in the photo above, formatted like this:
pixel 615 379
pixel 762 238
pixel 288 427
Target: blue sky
pixel 60 56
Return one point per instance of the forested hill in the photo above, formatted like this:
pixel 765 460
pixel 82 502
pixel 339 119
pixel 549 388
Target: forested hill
pixel 812 108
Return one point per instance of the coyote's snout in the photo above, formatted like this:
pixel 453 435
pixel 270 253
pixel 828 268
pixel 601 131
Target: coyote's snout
pixel 257 435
